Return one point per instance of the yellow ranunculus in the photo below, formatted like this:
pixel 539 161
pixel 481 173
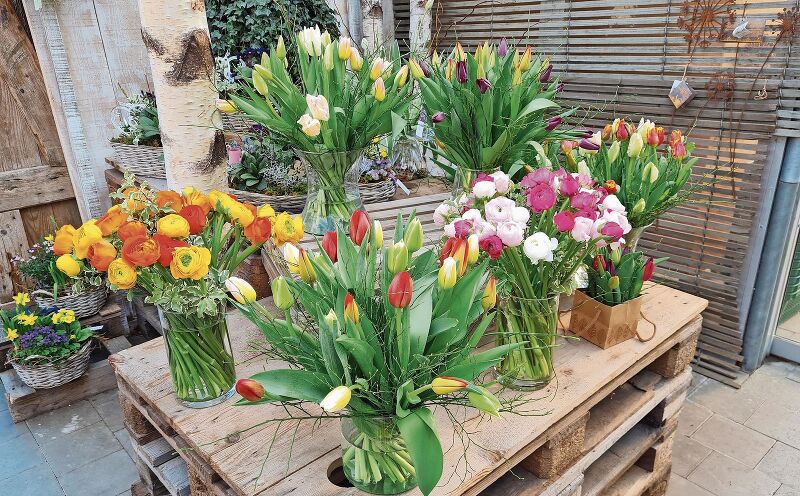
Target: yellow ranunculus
pixel 121 274
pixel 190 262
pixel 173 226
pixel 287 229
pixel 22 299
pixel 84 237
pixel 68 265
pixel 240 214
pixel 266 210
pixel 219 198
pixel 11 334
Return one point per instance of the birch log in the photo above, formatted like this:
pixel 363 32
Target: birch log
pixel 175 33
pixel 419 26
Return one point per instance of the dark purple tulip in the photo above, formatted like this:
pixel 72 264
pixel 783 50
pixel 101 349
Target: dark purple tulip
pixel 461 71
pixel 502 49
pixel 560 88
pixel 588 133
pixel 483 85
pixel 545 76
pixel 426 69
pixel 553 123
pixel 438 117
pixel 589 145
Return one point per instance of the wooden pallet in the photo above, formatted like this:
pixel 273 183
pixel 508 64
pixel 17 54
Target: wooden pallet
pixel 602 398
pixel 25 402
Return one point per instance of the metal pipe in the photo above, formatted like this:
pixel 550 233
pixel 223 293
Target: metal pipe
pixel 775 260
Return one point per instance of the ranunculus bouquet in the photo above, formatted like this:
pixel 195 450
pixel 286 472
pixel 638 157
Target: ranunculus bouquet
pixel 379 359
pixel 492 110
pixel 341 103
pixel 630 162
pixel 536 233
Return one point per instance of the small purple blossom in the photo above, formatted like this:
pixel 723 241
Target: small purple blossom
pixel 502 49
pixel 461 71
pixel 438 117
pixel 560 87
pixel 553 123
pixel 545 75
pixel 483 85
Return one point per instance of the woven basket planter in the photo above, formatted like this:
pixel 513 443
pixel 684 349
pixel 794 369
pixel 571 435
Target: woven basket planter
pixel 237 124
pixel 43 374
pixel 140 160
pixel 84 304
pixel 377 192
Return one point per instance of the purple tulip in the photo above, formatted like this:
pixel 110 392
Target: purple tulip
pixel 560 88
pixel 426 69
pixel 553 123
pixel 589 145
pixel 438 117
pixel 461 71
pixel 502 49
pixel 483 85
pixel 588 133
pixel 545 76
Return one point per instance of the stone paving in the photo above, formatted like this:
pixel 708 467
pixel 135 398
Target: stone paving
pixel 729 443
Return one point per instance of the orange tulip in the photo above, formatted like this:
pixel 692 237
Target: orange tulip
pixel 169 199
pixel 131 229
pixel 458 249
pixel 259 230
pixel 250 389
pixel 351 309
pixel 166 247
pixel 195 216
pixel 141 251
pixel 101 254
pixel 63 240
pixel 110 222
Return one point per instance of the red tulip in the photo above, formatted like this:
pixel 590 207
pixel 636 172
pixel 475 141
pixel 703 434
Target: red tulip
pixel 649 268
pixel 330 243
pixel 457 248
pixel 622 131
pixel 359 226
pixel 400 290
pixel 250 389
pixel 598 262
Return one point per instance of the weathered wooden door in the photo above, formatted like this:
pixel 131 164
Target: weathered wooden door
pixel 34 181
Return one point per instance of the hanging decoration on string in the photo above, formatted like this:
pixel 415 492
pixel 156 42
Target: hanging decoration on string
pixel 744 30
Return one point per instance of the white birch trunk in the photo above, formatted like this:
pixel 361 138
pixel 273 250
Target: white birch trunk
pixel 372 24
pixel 420 26
pixel 175 33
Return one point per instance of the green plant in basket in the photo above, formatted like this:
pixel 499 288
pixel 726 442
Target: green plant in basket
pixel 40 270
pixel 387 333
pixel 340 103
pixel 618 275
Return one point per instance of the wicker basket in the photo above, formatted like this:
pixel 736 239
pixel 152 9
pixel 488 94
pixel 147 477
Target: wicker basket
pixel 377 192
pixel 140 160
pixel 45 374
pixel 83 304
pixel 237 124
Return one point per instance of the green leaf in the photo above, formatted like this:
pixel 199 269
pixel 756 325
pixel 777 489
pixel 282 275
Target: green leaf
pixel 419 433
pixel 296 384
pixel 361 352
pixel 536 105
pixel 474 365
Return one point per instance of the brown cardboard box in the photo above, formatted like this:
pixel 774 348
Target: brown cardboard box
pixel 603 325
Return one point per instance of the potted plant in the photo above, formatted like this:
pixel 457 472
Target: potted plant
pixel 536 233
pixel 339 104
pixel 49 347
pixel 81 289
pixel 387 334
pixel 137 146
pixel 607 312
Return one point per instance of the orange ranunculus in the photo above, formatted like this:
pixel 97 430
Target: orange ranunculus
pixel 132 229
pixel 110 222
pixel 101 254
pixel 195 216
pixel 166 247
pixel 169 199
pixel 63 241
pixel 140 251
pixel 193 197
pixel 259 230
pixel 135 200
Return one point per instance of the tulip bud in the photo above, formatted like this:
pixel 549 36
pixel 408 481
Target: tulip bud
pixel 613 151
pixel 502 48
pixel 649 268
pixel 606 134
pixel 337 399
pixel 436 59
pixel 450 70
pixel 615 256
pixel 413 236
pixel 356 62
pixel 489 299
pixel 280 50
pixel 264 72
pixel 473 245
pixel 416 69
pixel 447 385
pixel 553 123
pixel 377 229
pixel 304 268
pixel 516 80
pixel 635 145
pixel 359 226
pixel 259 84
pixel 527 60
pixel 345 48
pixel 461 71
pixel 330 244
pixel 599 263
pixel 589 145
pixel 379 90
pixel 484 401
pixel 327 58
pixel 397 257
pixel 621 132
pixel 544 76
pixel 400 290
pixel 448 273
pixel 401 77
pixel 377 68
pixel 325 39
pixel 351 309
pixel 639 207
pixel 459 51
pixel 281 294
pixel 241 290
pixel 250 389
pixel 650 172
pixel 483 85
pixel 331 319
pixel 613 282
pixel 225 106
pixel 438 117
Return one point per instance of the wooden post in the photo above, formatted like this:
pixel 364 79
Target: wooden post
pixel 420 26
pixel 176 36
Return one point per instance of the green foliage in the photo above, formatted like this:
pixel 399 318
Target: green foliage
pixel 139 124
pixel 40 272
pixel 238 25
pixel 266 167
pixel 617 276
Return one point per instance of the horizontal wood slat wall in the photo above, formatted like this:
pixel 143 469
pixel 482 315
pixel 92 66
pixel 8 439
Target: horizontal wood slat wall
pixel 619 58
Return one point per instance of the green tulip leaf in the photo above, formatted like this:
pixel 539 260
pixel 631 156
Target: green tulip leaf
pixel 419 433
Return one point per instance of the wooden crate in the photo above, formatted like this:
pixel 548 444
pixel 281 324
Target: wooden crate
pixel 25 402
pixel 600 399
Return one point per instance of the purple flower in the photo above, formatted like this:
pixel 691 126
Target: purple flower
pixel 545 75
pixel 461 71
pixel 589 145
pixel 426 69
pixel 483 85
pixel 502 49
pixel 560 88
pixel 438 117
pixel 553 123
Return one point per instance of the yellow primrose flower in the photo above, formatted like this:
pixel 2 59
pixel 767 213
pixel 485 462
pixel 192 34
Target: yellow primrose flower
pixel 287 229
pixel 190 262
pixel 384 153
pixel 22 299
pixel 26 319
pixel 72 336
pixel 67 316
pixel 11 334
pixel 49 238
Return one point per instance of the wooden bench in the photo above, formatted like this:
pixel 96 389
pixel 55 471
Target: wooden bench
pixel 604 426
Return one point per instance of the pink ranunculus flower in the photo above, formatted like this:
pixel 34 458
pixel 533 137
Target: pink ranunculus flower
pixel 492 245
pixel 484 189
pixel 589 214
pixel 442 213
pixel 618 218
pixel 499 209
pixel 502 182
pixel 569 186
pixel 473 215
pixel 612 203
pixel 541 197
pixel 583 230
pixel 585 180
pixel 521 215
pixel 539 176
pixel 462 228
pixel 511 233
pixel 612 230
pixel 584 200
pixel 564 221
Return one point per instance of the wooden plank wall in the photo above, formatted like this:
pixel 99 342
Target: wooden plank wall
pixel 619 59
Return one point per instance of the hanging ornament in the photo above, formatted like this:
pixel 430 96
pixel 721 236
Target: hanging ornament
pixel 681 93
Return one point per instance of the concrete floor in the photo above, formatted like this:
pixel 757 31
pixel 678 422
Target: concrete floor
pixel 730 443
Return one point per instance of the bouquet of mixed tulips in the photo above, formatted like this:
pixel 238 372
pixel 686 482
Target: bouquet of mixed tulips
pixel 616 276
pixel 340 104
pixel 628 161
pixel 379 358
pixel 537 233
pixel 491 110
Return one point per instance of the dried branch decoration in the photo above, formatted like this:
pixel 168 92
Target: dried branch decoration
pixel 788 24
pixel 721 86
pixel 705 21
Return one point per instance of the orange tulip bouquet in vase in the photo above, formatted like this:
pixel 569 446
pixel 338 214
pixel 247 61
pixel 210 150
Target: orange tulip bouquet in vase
pixel 177 250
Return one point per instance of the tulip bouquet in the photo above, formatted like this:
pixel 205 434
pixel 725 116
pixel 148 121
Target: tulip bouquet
pixel 536 234
pixel 379 358
pixel 629 162
pixel 341 103
pixel 617 276
pixel 492 109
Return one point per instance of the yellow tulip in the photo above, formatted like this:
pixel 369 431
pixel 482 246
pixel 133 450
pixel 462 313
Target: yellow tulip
pixel 310 126
pixel 489 299
pixel 413 236
pixel 280 50
pixel 304 269
pixel 613 151
pixel 397 257
pixel 337 399
pixel 650 172
pixel 225 106
pixel 416 69
pixel 527 60
pixel 345 48
pixel 241 290
pixel 68 265
pixel 448 273
pixel 379 90
pixel 635 145
pixel 401 77
pixel 447 385
pixel 377 229
pixel 259 84
pixel 378 68
pixel 473 244
pixel 356 62
pixel 327 58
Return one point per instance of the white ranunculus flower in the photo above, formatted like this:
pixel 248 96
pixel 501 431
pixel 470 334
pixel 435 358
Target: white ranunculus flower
pixel 450 230
pixel 612 203
pixel 442 213
pixel 318 106
pixel 502 182
pixel 521 215
pixel 539 246
pixel 484 189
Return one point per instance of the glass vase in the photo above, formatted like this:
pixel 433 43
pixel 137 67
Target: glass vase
pixel 464 179
pixel 200 359
pixel 533 322
pixel 408 158
pixel 333 192
pixel 633 236
pixel 374 456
